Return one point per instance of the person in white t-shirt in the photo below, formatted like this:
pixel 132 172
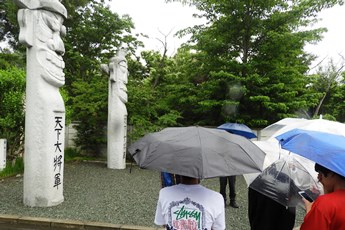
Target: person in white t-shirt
pixel 190 206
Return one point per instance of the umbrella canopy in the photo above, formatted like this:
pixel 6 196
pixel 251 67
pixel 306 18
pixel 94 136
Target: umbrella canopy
pixel 282 181
pixel 273 153
pixel 320 125
pixel 239 129
pixel 269 131
pixel 197 152
pixel 323 148
pixel 273 149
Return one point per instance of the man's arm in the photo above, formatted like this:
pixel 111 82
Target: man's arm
pixel 219 223
pixel 159 218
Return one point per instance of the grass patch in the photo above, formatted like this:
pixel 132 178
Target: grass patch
pixel 12 169
pixel 73 154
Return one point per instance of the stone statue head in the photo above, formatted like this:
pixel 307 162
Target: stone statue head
pixel 49 5
pixel 41 27
pixel 119 74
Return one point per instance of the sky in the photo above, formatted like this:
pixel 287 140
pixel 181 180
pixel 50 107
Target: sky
pixel 333 42
pixel 159 19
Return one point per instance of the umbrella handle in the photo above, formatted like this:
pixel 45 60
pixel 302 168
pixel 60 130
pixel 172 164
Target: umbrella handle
pixel 130 168
pixel 136 151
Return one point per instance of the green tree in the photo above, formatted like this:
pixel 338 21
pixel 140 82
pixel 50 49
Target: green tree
pixel 326 81
pixel 90 111
pixel 148 105
pixel 12 97
pixel 336 104
pixel 188 94
pixel 94 33
pixel 9 28
pixel 252 57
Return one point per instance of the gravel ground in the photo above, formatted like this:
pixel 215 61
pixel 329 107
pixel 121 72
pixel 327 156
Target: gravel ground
pixel 94 193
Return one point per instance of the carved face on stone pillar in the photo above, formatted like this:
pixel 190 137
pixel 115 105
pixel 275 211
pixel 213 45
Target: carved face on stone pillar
pixel 41 31
pixel 119 75
pixel 51 48
pixel 122 80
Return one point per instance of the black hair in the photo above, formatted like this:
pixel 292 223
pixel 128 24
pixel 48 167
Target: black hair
pixel 325 171
pixel 188 178
pixel 321 169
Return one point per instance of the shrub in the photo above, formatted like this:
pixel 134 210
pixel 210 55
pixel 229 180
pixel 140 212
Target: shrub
pixel 13 168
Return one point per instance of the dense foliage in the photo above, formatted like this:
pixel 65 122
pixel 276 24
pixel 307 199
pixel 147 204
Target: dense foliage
pixel 252 59
pixel 12 97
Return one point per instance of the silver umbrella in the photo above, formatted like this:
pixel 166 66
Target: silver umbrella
pixel 197 152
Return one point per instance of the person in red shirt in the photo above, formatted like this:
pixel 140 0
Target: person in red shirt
pixel 327 212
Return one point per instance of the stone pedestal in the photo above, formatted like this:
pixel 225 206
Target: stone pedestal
pixel 41 30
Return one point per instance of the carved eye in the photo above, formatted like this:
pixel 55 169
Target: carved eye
pixel 63 31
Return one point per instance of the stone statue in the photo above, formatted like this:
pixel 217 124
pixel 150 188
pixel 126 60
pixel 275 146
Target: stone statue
pixel 41 29
pixel 117 111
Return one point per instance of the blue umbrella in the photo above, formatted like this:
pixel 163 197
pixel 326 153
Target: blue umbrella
pixel 238 129
pixel 323 148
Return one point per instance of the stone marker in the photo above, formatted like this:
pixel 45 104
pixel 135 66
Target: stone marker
pixel 41 29
pixel 117 111
pixel 3 150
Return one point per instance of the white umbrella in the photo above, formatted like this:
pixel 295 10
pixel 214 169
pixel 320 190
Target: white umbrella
pixel 268 132
pixel 321 125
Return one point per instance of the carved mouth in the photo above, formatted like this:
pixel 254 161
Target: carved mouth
pixel 53 64
pixel 123 87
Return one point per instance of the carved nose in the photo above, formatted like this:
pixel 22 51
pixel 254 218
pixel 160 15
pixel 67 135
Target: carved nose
pixel 56 44
pixel 59 47
pixel 60 52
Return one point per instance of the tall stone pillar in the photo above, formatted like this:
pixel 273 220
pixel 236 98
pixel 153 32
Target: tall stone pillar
pixel 41 29
pixel 117 111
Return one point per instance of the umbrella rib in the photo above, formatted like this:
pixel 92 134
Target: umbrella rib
pixel 250 157
pixel 281 169
pixel 201 149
